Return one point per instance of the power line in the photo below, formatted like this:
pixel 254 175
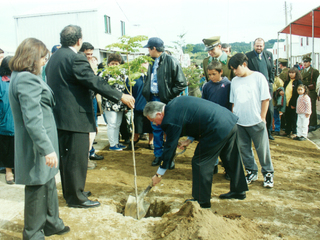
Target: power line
pixel 122 11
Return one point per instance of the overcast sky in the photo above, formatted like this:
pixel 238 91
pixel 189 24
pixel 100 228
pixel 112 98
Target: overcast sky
pixel 233 20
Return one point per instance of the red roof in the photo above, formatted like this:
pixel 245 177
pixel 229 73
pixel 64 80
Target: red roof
pixel 303 25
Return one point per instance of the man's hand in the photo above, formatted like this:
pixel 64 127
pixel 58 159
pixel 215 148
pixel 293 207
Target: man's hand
pixel 52 160
pixel 184 143
pixel 307 115
pixel 155 180
pixel 128 100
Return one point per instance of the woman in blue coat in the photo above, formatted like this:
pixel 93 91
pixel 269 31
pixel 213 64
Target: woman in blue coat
pixel 36 141
pixel 6 122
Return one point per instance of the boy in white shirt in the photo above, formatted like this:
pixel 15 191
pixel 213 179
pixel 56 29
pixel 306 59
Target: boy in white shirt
pixel 250 97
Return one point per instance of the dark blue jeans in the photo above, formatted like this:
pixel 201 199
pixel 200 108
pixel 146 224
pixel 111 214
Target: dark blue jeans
pixel 276 118
pixel 157 135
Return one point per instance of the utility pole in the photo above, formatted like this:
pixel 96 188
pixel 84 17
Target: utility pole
pixel 286 22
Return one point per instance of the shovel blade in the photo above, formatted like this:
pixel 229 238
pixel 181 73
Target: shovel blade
pixel 131 207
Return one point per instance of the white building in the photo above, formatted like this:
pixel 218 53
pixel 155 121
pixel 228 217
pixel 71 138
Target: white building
pixel 301 46
pixel 100 26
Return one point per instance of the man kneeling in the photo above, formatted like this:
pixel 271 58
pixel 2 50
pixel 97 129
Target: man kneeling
pixel 216 130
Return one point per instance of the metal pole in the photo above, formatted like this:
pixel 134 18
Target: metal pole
pixel 291 65
pixel 17 26
pixel 278 54
pixel 286 22
pixel 313 57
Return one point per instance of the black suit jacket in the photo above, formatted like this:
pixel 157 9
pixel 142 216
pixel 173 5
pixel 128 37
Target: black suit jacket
pixel 206 121
pixel 171 79
pixel 70 77
pixel 254 65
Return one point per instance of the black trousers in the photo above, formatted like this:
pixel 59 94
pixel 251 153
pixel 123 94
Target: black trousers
pixel 6 151
pixel 203 165
pixel 269 117
pixel 41 211
pixel 73 147
pixel 313 118
pixel 125 128
pixel 291 120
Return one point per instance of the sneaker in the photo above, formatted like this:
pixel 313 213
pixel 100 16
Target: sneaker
pixel 121 146
pixel 251 177
pixel 115 148
pixel 302 139
pixel 268 181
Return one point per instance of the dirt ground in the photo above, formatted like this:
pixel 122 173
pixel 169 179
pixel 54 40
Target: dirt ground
pixel 290 210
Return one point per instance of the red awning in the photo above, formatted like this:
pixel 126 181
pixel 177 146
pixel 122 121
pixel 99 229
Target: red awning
pixel 303 25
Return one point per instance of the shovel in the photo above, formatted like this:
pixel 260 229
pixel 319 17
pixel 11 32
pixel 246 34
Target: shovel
pixel 131 206
pixel 143 207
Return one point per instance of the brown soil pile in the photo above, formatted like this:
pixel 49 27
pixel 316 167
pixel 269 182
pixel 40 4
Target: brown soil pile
pixel 193 222
pixel 290 210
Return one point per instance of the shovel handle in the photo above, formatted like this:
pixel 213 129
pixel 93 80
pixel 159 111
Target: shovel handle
pixel 178 153
pixel 145 192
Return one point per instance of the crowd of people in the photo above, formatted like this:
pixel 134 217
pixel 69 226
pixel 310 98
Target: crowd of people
pixel 49 115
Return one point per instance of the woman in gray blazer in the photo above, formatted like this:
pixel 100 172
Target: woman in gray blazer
pixel 36 141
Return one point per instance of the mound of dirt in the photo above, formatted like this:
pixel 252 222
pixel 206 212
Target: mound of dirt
pixel 193 222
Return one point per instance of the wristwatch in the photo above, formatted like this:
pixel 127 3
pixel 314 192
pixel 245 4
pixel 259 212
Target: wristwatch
pixel 158 175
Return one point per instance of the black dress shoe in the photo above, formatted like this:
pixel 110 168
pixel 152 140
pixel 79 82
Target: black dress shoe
pixel 202 205
pixel 236 195
pixel 271 137
pixel 151 146
pixel 156 161
pixel 86 204
pixel 302 139
pixel 96 157
pixel 130 146
pixel 87 194
pixel 63 231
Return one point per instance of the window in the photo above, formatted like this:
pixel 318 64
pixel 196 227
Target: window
pixel 107 24
pixel 307 41
pixel 284 48
pixel 123 28
pixel 301 42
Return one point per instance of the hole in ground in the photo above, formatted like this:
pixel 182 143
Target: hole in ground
pixel 156 209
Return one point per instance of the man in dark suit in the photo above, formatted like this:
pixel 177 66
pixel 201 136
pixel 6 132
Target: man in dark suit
pixel 215 128
pixel 262 61
pixel 70 76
